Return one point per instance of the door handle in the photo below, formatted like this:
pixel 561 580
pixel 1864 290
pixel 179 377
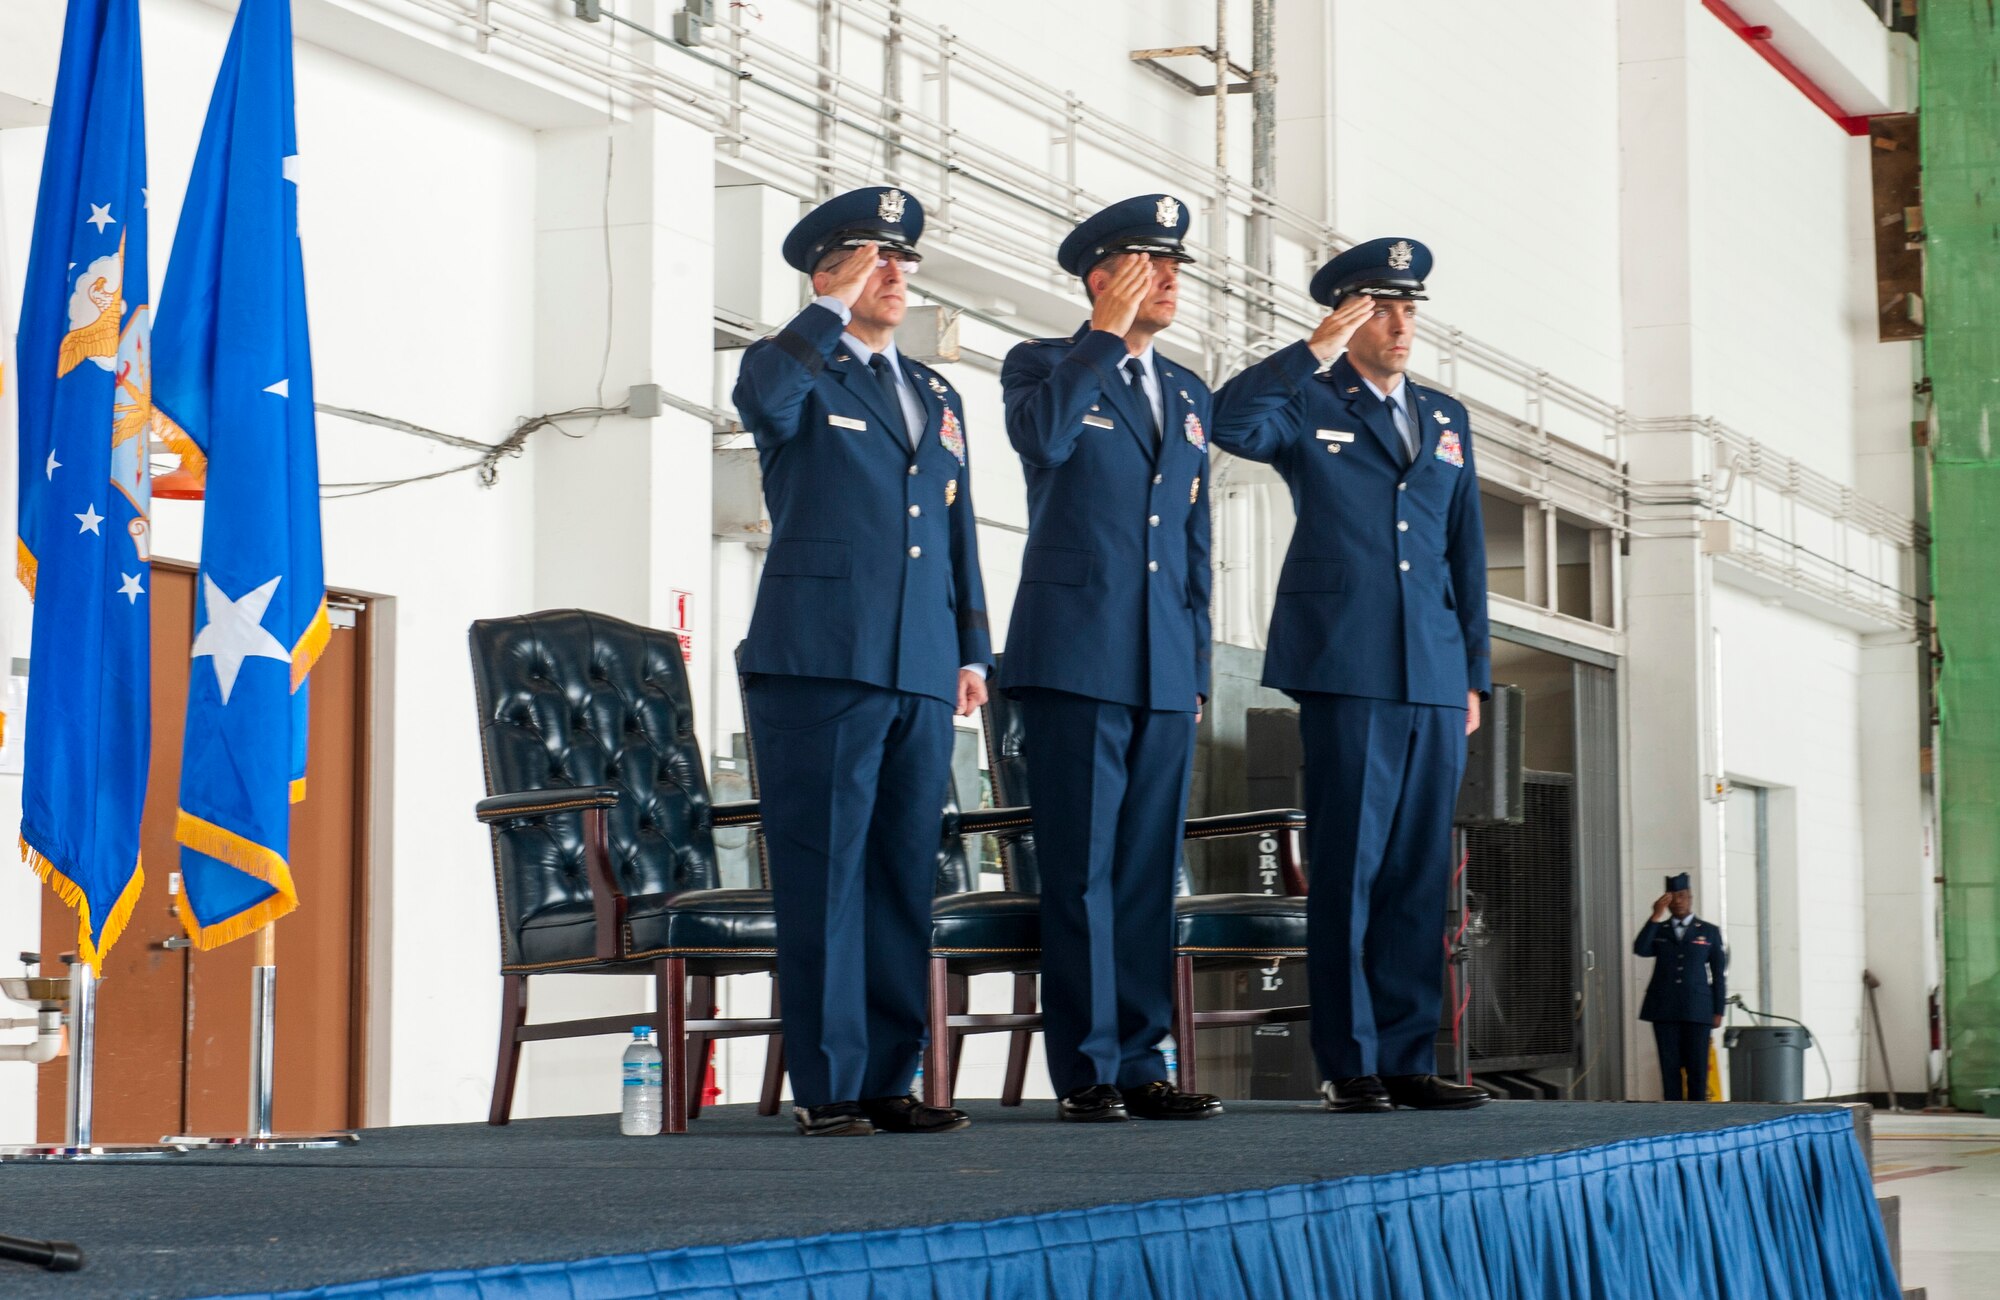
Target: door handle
pixel 174 941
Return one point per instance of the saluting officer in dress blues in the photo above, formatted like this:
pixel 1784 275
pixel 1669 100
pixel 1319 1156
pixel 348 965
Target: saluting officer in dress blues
pixel 1379 632
pixel 1689 989
pixel 869 628
pixel 1108 651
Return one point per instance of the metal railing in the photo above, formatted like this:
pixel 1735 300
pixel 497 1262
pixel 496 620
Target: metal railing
pixel 781 102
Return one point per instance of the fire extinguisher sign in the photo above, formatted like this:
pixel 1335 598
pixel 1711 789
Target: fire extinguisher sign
pixel 682 626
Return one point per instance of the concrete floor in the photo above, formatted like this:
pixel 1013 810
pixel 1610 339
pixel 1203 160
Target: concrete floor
pixel 1946 1170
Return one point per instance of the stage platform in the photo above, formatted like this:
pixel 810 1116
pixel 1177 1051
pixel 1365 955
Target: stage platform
pixel 1275 1199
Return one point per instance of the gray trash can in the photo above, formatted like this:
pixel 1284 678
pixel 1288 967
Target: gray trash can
pixel 1767 1062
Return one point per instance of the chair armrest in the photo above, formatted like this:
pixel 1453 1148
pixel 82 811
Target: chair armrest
pixel 747 812
pixel 995 821
pixel 1286 825
pixel 527 804
pixel 607 900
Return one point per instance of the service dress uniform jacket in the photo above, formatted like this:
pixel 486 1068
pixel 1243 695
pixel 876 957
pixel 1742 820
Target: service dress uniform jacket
pixel 1108 650
pixel 1379 630
pixel 869 604
pixel 1689 989
pixel 873 571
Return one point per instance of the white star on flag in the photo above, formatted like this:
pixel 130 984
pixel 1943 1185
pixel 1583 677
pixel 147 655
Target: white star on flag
pixel 236 632
pixel 130 588
pixel 90 519
pixel 290 168
pixel 54 465
pixel 282 388
pixel 100 216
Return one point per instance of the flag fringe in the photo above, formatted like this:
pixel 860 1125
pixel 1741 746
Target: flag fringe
pixel 311 644
pixel 247 856
pixel 25 566
pixel 72 896
pixel 182 444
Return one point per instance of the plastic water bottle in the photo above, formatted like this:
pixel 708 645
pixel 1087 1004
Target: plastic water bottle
pixel 1170 1052
pixel 640 1115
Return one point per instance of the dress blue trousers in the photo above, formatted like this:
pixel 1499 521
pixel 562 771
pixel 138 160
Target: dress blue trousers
pixel 852 780
pixel 1683 1045
pixel 1381 779
pixel 1109 788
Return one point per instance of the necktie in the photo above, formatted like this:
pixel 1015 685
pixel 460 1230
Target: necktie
pixel 1401 424
pixel 1135 375
pixel 893 399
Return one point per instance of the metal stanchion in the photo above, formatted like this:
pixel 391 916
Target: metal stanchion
pixel 263 1035
pixel 78 1142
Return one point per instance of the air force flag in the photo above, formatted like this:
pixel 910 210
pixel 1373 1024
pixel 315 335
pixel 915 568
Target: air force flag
pixel 85 416
pixel 236 378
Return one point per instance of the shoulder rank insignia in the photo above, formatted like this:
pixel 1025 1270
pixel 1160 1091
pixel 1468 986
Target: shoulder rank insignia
pixel 938 386
pixel 1448 450
pixel 953 437
pixel 1192 428
pixel 1194 489
pixel 951 492
pixel 1440 417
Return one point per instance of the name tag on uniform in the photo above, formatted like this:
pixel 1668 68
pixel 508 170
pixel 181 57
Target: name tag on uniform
pixel 1098 422
pixel 1334 435
pixel 842 422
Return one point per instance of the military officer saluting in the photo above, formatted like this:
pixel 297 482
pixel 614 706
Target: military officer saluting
pixel 869 628
pixel 1689 989
pixel 1379 631
pixel 1108 651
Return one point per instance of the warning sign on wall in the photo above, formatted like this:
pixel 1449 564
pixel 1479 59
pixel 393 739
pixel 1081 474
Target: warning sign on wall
pixel 682 623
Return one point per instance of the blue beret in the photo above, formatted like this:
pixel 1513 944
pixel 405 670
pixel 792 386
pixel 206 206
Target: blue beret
pixel 1675 884
pixel 878 215
pixel 1380 268
pixel 1153 224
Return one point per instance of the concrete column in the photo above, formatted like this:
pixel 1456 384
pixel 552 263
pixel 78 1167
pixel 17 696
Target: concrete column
pixel 1671 756
pixel 625 271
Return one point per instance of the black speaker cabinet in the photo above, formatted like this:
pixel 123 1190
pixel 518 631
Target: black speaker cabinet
pixel 1491 792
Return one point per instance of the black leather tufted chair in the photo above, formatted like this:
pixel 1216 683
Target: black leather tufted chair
pixel 1213 932
pixel 603 849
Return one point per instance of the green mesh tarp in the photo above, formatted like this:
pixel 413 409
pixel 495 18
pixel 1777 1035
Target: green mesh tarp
pixel 1959 54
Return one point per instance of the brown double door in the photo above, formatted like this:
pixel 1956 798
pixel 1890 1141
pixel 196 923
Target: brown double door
pixel 173 1023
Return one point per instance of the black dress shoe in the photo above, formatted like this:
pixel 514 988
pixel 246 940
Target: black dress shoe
pixel 835 1119
pixel 1429 1092
pixel 908 1115
pixel 1361 1095
pixel 1100 1103
pixel 1164 1101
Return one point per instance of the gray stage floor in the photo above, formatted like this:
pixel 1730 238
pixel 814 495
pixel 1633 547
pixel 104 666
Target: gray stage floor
pixel 413 1200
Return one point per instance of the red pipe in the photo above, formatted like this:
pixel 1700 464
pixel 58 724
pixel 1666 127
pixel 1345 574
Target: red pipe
pixel 1759 39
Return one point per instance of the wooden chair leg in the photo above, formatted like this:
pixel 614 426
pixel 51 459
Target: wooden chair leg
pixel 1184 1022
pixel 671 975
pixel 961 1002
pixel 774 1062
pixel 702 998
pixel 513 1014
pixel 1018 1042
pixel 937 1054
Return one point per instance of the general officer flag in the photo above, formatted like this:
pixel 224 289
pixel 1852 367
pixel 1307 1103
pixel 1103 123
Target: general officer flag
pixel 85 415
pixel 236 377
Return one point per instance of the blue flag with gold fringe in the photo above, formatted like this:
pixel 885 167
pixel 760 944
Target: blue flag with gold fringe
pixel 235 377
pixel 85 417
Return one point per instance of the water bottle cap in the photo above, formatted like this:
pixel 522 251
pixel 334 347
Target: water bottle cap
pixel 642 1031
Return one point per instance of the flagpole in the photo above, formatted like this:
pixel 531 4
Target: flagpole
pixel 259 1134
pixel 78 1144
